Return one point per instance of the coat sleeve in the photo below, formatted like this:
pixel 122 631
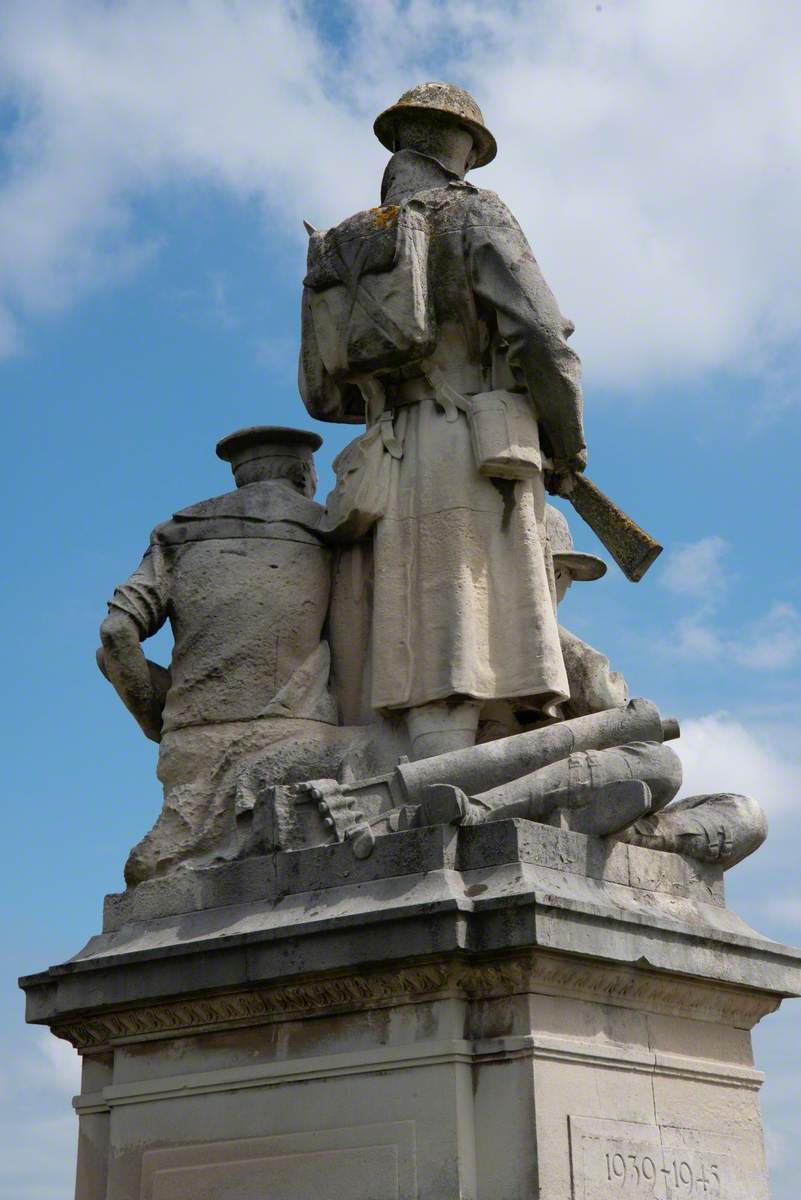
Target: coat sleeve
pixel 506 279
pixel 144 596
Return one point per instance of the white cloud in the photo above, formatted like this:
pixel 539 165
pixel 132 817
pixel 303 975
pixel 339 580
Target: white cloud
pixel 696 569
pixel 120 100
pixel 40 1061
pixel 62 1063
pixel 772 642
pixel 719 753
pixel 38 1130
pixel 653 157
pixel 694 638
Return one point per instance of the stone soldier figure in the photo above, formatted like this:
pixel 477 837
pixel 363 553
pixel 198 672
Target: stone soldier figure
pixel 428 319
pixel 594 687
pixel 245 583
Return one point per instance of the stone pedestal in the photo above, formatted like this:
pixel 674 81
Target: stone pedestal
pixel 505 1012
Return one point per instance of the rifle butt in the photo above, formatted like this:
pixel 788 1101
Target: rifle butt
pixel 632 548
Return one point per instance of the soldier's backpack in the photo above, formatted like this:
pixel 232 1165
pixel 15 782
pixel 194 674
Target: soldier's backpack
pixel 367 293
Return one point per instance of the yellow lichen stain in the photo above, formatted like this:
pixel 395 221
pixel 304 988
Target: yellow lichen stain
pixel 385 215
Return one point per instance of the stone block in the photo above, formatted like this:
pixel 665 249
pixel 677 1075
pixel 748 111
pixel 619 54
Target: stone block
pixel 654 871
pixel 413 852
pixel 500 842
pixel 503 1011
pixel 191 890
pixel 489 1090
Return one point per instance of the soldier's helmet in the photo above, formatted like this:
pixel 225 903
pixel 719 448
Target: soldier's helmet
pixel 445 102
pixel 579 566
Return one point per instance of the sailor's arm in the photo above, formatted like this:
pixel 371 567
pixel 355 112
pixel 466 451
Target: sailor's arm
pixel 137 610
pixel 506 277
pixel 123 663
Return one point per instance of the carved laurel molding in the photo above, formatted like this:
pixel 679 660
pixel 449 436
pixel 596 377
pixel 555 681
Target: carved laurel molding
pixel 585 978
pixel 331 993
pixel 524 973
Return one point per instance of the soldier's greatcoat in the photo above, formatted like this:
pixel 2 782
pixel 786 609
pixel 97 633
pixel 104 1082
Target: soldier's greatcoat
pixel 463 589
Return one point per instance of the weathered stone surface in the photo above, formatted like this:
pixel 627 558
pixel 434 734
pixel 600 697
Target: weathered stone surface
pixel 191 889
pixel 414 852
pixel 415 615
pixel 515 1004
pixel 444 1097
pixel 328 913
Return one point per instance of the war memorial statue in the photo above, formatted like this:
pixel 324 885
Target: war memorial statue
pixel 421 917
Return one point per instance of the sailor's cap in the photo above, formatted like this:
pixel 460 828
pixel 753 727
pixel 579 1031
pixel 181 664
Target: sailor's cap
pixel 267 441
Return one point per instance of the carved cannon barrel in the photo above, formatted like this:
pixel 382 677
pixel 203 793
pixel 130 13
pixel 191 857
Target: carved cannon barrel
pixel 671 729
pixel 480 768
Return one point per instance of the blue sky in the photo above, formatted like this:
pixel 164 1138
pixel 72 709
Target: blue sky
pixel 155 164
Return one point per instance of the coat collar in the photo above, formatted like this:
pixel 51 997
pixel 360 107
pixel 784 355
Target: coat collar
pixel 408 172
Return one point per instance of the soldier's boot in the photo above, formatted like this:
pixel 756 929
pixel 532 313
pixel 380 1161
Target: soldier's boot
pixel 609 809
pixel 600 811
pixel 723 828
pixel 444 804
pixel 442 726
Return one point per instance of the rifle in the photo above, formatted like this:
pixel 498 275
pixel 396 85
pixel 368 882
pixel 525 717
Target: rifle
pixel 632 548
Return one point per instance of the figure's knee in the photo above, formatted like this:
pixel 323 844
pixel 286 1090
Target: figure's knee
pixel 658 766
pixel 665 775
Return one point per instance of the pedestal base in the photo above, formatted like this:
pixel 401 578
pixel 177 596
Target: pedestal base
pixel 569 1021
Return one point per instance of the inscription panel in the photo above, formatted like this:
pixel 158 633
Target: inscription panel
pixel 328 1175
pixel 620 1160
pixel 364 1162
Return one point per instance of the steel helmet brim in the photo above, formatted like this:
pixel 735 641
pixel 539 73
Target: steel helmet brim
pixel 456 99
